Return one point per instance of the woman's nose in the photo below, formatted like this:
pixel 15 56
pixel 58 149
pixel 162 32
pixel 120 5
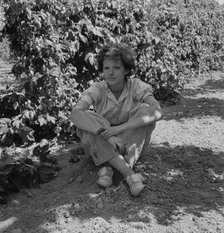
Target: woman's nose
pixel 111 71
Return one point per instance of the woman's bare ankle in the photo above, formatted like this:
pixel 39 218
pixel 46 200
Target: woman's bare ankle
pixel 121 165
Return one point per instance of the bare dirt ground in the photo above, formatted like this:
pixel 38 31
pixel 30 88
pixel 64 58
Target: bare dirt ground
pixel 183 170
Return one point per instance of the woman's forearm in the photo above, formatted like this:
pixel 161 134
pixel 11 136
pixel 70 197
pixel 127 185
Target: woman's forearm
pixel 150 118
pixel 83 121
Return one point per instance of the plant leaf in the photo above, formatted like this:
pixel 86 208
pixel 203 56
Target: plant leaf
pixel 56 71
pixel 42 120
pixel 51 119
pixel 3 126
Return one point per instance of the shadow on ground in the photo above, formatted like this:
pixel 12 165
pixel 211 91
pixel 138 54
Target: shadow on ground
pixel 213 84
pixel 179 180
pixel 184 176
pixel 195 108
pixel 200 100
pixel 210 82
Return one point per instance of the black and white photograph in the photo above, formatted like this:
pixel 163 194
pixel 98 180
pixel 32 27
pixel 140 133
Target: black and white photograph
pixel 111 116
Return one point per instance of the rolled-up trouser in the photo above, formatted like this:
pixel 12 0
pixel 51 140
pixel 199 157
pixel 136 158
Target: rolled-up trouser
pixel 136 140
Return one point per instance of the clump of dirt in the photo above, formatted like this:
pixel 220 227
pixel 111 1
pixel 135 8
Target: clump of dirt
pixel 183 170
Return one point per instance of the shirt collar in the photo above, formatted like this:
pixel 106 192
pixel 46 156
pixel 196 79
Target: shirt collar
pixel 123 95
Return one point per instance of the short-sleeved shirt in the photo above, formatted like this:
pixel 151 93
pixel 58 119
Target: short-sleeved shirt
pixel 116 111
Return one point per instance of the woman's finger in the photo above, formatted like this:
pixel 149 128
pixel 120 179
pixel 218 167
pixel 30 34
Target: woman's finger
pixel 107 136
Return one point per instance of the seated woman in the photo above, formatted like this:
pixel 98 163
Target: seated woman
pixel 119 129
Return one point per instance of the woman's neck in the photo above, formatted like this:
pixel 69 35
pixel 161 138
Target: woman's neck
pixel 116 90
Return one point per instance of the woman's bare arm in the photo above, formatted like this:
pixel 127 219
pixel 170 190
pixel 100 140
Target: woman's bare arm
pixel 81 119
pixel 154 114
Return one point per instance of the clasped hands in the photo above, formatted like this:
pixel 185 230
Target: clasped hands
pixel 110 135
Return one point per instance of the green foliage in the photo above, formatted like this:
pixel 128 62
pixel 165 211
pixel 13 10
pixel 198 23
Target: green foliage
pixel 57 43
pixel 188 40
pixel 23 168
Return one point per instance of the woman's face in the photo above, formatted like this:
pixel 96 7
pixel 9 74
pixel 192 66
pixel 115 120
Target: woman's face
pixel 114 72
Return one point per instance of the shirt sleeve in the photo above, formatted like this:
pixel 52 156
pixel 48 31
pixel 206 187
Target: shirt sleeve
pixel 92 95
pixel 141 90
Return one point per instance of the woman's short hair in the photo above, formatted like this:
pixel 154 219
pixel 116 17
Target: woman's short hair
pixel 117 51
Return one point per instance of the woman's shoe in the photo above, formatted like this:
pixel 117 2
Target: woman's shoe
pixel 105 175
pixel 135 183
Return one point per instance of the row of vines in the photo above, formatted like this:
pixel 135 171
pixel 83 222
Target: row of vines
pixel 56 43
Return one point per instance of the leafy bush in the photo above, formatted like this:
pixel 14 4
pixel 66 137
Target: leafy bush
pixel 23 168
pixel 57 43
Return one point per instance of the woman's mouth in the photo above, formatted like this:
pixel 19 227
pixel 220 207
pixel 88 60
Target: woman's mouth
pixel 110 78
